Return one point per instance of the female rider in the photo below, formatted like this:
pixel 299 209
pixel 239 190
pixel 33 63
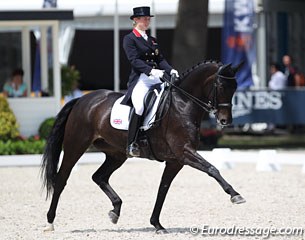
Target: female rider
pixel 148 66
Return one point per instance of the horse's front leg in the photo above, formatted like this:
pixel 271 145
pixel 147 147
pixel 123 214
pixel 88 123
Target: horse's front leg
pixel 193 159
pixel 170 172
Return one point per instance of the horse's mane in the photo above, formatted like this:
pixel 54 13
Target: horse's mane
pixel 204 62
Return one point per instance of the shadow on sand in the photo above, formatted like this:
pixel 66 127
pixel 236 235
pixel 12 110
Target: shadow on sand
pixel 133 230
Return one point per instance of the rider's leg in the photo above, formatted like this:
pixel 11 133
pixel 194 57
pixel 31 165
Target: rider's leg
pixel 133 129
pixel 143 85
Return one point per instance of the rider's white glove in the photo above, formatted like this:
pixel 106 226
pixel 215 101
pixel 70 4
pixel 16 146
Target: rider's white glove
pixel 157 73
pixel 174 71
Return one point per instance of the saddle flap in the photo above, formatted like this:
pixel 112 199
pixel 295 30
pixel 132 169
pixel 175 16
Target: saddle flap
pixel 119 115
pixel 119 118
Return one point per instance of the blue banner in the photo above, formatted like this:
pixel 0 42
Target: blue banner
pixel 267 106
pixel 238 38
pixel 36 85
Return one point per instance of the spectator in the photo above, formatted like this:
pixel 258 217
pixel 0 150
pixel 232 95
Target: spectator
pixel 289 70
pixel 278 79
pixel 15 87
pixel 299 79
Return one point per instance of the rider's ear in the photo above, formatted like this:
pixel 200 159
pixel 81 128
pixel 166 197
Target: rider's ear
pixel 236 68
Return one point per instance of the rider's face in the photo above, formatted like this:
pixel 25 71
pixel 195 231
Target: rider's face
pixel 142 22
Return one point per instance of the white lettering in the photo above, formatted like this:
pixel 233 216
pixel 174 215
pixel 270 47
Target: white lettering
pixel 242 25
pixel 261 100
pixel 245 102
pixel 242 7
pixel 275 100
pixel 243 11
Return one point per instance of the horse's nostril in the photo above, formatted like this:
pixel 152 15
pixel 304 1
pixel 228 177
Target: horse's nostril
pixel 223 121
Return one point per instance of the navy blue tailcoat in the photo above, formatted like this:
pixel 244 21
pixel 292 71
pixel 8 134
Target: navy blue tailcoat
pixel 143 55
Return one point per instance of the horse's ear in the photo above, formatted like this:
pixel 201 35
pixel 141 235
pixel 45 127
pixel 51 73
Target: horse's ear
pixel 227 66
pixel 224 67
pixel 238 66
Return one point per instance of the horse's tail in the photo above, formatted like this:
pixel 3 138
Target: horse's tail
pixel 53 148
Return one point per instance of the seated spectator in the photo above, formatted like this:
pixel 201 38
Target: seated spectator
pixel 15 87
pixel 278 79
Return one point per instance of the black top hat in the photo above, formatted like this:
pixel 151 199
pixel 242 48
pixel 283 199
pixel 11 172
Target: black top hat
pixel 141 12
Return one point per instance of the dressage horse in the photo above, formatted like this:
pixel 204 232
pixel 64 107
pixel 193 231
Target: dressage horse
pixel 208 86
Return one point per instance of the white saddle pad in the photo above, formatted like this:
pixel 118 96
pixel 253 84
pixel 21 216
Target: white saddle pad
pixel 120 113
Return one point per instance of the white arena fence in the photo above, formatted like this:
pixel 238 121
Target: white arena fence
pixel 222 158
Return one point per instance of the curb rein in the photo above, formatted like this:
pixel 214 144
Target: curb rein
pixel 210 106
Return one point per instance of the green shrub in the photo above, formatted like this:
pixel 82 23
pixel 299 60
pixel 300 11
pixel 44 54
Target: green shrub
pixel 22 147
pixel 46 127
pixel 8 123
pixel 69 79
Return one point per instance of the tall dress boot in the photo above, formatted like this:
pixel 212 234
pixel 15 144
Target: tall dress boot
pixel 134 125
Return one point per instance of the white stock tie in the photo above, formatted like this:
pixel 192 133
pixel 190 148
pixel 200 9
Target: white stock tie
pixel 145 36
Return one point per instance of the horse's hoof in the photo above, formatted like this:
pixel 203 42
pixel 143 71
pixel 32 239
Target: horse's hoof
pixel 113 217
pixel 49 227
pixel 161 231
pixel 238 199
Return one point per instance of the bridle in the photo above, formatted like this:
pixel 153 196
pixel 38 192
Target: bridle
pixel 211 106
pixel 217 84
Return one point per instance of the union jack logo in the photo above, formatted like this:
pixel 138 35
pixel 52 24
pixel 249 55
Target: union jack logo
pixel 117 121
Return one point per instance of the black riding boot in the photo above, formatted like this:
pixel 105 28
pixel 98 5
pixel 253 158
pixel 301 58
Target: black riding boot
pixel 134 125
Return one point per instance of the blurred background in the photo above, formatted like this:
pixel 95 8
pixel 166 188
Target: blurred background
pixel 67 48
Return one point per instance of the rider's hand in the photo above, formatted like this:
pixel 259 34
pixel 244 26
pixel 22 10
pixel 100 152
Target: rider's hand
pixel 174 71
pixel 157 73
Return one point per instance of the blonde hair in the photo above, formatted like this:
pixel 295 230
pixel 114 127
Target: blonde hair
pixel 134 23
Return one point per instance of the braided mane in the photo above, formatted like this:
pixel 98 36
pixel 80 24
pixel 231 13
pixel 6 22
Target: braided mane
pixel 188 71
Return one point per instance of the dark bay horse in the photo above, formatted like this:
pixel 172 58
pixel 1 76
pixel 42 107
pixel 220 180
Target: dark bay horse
pixel 85 121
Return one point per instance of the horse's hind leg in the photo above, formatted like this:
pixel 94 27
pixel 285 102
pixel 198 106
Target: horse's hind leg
pixel 71 156
pixel 101 178
pixel 193 159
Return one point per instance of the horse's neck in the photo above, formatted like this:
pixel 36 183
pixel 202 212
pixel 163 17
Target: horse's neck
pixel 186 107
pixel 199 85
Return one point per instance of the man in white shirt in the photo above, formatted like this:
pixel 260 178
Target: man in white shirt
pixel 278 79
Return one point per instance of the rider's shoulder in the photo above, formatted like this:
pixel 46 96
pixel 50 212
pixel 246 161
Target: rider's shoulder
pixel 129 36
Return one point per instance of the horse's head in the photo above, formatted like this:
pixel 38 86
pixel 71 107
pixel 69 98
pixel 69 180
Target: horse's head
pixel 211 86
pixel 223 90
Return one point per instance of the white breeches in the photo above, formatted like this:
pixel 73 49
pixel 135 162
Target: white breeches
pixel 143 85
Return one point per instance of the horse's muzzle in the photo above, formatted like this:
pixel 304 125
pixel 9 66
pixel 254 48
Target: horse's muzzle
pixel 223 120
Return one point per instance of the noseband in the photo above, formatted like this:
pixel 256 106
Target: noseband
pixel 211 106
